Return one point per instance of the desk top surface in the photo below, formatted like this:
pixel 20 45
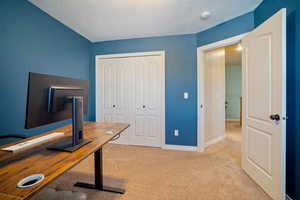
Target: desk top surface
pixel 39 160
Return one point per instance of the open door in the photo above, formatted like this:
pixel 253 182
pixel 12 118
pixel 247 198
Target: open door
pixel 264 105
pixel 214 96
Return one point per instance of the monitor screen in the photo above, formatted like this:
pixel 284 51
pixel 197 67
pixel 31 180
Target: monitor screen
pixel 39 97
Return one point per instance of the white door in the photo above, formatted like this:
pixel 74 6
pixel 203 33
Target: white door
pixel 117 80
pixel 130 89
pixel 149 73
pixel 214 95
pixel 264 78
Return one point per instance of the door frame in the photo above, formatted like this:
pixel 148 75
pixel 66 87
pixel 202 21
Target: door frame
pixel 135 54
pixel 200 85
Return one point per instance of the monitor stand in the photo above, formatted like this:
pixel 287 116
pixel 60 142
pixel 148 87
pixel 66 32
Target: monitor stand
pixel 67 146
pixel 76 141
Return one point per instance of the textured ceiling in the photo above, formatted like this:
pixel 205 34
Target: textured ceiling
pixel 100 20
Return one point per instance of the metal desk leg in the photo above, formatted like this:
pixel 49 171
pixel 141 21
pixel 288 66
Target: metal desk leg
pixel 98 162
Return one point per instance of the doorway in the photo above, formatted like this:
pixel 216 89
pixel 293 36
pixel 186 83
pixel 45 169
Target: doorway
pixel 264 105
pixel 219 53
pixel 222 94
pixel 233 92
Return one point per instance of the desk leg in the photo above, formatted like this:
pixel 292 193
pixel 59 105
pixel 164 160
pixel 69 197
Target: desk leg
pixel 98 162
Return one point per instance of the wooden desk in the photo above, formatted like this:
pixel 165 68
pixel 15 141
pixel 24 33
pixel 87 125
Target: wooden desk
pixel 39 160
pixel 8 197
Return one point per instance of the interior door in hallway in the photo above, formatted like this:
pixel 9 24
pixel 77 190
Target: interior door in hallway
pixel 214 95
pixel 264 106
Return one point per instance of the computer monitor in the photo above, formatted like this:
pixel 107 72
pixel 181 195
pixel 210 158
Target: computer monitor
pixel 55 98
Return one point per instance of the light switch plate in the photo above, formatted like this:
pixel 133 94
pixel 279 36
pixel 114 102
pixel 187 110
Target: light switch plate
pixel 186 95
pixel 176 132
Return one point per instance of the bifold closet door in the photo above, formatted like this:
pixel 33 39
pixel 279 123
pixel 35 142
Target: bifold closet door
pixel 131 89
pixel 117 96
pixel 148 101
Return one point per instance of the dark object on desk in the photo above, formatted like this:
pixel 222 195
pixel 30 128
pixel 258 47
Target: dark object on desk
pixel 55 98
pixel 12 136
pixel 8 138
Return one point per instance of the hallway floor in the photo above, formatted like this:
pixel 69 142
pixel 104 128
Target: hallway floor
pixel 233 131
pixel 155 174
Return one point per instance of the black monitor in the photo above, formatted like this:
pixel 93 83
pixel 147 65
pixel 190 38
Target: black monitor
pixel 55 98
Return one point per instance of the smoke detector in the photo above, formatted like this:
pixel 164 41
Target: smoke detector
pixel 205 15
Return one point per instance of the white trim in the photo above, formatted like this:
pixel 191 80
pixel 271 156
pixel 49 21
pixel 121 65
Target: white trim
pixel 214 141
pixel 139 54
pixel 179 147
pixel 200 69
pixel 288 198
pixel 125 55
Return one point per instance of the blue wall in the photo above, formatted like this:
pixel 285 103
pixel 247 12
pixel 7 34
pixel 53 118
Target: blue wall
pixel 32 41
pixel 181 76
pixel 264 11
pixel 181 71
pixel 234 27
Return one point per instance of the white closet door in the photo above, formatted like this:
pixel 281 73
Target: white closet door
pixel 109 78
pixel 124 84
pixel 148 101
pixel 130 89
pixel 118 82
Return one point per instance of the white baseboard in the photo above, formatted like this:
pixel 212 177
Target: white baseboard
pixel 288 198
pixel 179 147
pixel 201 148
pixel 214 141
pixel 166 146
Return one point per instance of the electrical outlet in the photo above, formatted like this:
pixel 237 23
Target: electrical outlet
pixel 176 132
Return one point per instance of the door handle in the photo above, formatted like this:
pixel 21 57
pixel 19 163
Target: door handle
pixel 275 117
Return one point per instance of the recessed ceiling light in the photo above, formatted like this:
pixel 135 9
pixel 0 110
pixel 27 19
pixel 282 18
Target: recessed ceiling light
pixel 239 48
pixel 205 15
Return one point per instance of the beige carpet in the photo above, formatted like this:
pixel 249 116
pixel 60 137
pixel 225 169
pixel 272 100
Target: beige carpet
pixel 233 131
pixel 156 174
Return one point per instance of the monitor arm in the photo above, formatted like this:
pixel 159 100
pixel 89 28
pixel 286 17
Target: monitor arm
pixel 77 118
pixel 58 97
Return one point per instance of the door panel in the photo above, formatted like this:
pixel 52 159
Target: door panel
pixel 263 143
pixel 259 149
pixel 147 131
pixel 124 85
pixel 148 76
pixel 109 68
pixel 259 76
